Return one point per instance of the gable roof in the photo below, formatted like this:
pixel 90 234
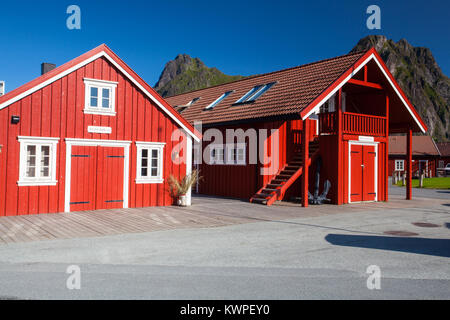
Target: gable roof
pixel 100 51
pixel 444 148
pixel 298 91
pixel 422 145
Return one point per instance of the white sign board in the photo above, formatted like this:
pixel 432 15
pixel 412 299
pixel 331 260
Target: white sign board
pixel 95 129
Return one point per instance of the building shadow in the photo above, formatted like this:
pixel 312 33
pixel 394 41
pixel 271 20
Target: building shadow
pixel 443 191
pixel 433 247
pixel 447 225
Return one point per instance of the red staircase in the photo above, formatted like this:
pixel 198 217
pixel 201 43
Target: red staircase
pixel 276 188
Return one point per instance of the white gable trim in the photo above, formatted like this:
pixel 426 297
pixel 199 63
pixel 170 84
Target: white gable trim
pixel 372 56
pixel 85 62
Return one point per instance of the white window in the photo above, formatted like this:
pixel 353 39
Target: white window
pixel 255 92
pixel 100 97
pixel 217 155
pixel 441 164
pixel 218 100
pixel 149 168
pixel 37 161
pixel 399 165
pixel 236 154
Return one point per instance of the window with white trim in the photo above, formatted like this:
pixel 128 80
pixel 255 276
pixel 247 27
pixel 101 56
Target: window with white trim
pixel 37 161
pixel 399 165
pixel 149 168
pixel 100 96
pixel 217 155
pixel 236 154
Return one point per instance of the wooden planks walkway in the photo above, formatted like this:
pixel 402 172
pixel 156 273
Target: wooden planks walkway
pixel 206 212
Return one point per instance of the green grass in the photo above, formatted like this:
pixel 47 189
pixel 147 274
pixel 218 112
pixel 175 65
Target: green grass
pixel 431 183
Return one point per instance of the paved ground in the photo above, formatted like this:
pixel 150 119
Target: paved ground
pixel 420 193
pixel 228 249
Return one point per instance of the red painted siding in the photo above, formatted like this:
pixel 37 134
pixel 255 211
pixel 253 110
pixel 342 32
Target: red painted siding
pixel 57 111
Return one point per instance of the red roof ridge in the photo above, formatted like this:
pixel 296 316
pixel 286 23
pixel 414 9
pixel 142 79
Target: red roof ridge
pixel 273 72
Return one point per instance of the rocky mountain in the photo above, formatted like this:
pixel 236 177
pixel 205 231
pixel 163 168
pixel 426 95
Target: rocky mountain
pixel 420 77
pixel 186 74
pixel 414 68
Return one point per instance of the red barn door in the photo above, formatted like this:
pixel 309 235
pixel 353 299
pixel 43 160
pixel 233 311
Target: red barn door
pixel 362 173
pixel 96 178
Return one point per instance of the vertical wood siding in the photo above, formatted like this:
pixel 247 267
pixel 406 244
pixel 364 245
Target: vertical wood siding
pixel 57 111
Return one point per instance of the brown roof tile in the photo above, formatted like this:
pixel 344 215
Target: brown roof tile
pixel 294 90
pixel 444 148
pixel 422 145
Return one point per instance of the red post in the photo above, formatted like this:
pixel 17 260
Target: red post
pixel 409 165
pixel 340 176
pixel 305 175
pixel 386 150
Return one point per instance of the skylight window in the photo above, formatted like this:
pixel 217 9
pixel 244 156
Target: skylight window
pixel 248 94
pixel 255 93
pixel 190 103
pixel 218 100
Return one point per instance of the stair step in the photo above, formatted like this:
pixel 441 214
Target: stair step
pixel 262 196
pixel 269 190
pixel 279 180
pixel 284 176
pixel 294 168
pixel 274 186
pixel 259 200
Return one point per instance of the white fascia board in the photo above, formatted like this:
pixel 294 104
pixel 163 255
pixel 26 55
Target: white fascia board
pixel 85 62
pixel 372 56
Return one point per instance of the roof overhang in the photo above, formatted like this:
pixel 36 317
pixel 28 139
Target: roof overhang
pixel 100 51
pixel 370 55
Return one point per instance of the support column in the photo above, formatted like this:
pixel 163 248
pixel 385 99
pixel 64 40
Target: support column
pixel 340 173
pixel 305 152
pixel 409 164
pixel 386 150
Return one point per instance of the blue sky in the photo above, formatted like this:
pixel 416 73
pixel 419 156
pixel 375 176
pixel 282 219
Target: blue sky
pixel 238 37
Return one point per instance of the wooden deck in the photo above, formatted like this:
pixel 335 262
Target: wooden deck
pixel 206 212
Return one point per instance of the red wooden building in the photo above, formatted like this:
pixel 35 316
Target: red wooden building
pixel 90 134
pixel 341 110
pixel 425 156
pixel 444 150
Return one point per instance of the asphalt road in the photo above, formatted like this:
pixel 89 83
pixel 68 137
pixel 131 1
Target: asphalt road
pixel 324 257
pixel 420 193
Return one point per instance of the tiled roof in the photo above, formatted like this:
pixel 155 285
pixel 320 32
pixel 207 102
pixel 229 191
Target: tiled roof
pixel 422 145
pixel 294 90
pixel 444 148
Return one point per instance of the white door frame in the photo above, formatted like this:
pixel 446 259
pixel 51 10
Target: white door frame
pixel 426 167
pixel 94 143
pixel 364 143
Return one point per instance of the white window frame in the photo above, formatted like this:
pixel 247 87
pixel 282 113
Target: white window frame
pixel 402 165
pixel 38 142
pixel 214 159
pixel 159 146
pixel 236 146
pixel 219 100
pixel 100 84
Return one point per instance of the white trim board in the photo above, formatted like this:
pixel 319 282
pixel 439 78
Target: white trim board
pixel 340 85
pixel 85 62
pixel 350 143
pixel 93 143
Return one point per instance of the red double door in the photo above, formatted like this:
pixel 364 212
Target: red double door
pixel 97 175
pixel 362 173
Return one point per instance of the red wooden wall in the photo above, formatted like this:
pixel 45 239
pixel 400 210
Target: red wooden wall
pixel 433 163
pixel 242 182
pixel 57 111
